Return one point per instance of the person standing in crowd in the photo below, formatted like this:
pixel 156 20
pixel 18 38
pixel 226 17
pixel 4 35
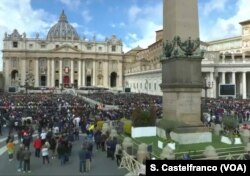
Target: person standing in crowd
pixel 97 137
pixel 61 152
pixel 118 153
pixel 108 147
pixel 82 159
pixel 45 152
pixel 26 159
pixel 26 139
pixel 10 149
pixel 53 144
pixel 43 136
pixel 20 158
pixel 112 147
pixel 37 145
pixel 88 159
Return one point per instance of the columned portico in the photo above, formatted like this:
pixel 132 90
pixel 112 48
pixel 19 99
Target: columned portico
pixel 63 58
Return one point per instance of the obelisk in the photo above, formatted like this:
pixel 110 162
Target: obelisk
pixel 181 71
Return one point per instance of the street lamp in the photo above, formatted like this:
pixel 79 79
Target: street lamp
pixel 207 85
pixel 61 87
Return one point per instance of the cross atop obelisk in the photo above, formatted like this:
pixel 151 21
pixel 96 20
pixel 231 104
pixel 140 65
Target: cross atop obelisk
pixel 180 19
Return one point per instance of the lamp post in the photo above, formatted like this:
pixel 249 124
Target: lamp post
pixel 61 87
pixel 207 85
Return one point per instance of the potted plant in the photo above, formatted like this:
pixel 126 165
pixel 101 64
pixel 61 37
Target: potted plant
pixel 143 122
pixel 229 125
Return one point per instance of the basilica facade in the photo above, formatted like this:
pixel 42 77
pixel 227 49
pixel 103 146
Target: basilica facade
pixel 226 61
pixel 62 59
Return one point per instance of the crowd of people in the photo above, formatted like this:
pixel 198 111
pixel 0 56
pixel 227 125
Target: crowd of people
pixel 50 123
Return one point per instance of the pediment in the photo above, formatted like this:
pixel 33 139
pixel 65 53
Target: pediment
pixel 66 48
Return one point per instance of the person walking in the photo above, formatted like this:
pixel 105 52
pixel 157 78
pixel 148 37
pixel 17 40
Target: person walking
pixel 37 145
pixel 45 152
pixel 20 158
pixel 10 148
pixel 26 159
pixel 82 159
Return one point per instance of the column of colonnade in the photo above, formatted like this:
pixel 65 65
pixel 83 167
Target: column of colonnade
pixel 36 72
pixel 243 82
pixel 71 71
pixel 48 72
pixel 79 73
pixel 53 72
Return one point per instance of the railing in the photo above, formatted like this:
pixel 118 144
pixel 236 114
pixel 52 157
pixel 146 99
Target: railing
pixel 132 165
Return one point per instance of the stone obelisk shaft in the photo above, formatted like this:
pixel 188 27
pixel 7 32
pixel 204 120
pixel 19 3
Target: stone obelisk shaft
pixel 181 71
pixel 180 19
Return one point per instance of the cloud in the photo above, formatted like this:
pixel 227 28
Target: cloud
pixel 212 5
pixel 119 25
pixel 72 4
pixel 89 35
pixel 19 15
pixel 144 21
pixel 133 12
pixel 227 27
pixel 86 16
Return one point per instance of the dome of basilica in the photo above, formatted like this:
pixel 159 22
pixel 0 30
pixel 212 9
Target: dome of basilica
pixel 62 30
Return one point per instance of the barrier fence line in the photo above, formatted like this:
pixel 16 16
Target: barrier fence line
pixel 133 166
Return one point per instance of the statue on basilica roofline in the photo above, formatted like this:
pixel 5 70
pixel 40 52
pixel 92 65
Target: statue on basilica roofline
pixel 178 48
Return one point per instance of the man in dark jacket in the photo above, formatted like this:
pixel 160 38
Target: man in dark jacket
pixel 26 158
pixel 19 157
pixel 82 159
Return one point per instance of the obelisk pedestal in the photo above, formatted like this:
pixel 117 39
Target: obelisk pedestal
pixel 181 71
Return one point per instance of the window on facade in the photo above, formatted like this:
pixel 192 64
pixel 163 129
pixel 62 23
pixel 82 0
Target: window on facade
pixel 155 86
pixel 75 64
pixel 113 48
pixel 76 47
pixel 100 65
pixel 149 86
pixel 30 45
pixel 15 44
pixel 44 46
pixel 137 85
pixel 100 48
pixel 57 46
pixel 141 85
